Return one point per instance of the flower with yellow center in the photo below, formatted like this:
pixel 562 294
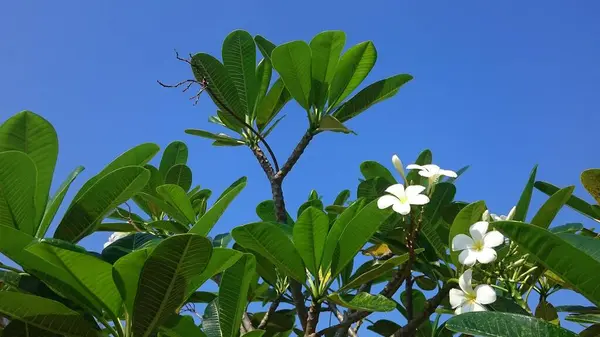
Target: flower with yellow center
pixel 467 299
pixel 479 246
pixel 400 198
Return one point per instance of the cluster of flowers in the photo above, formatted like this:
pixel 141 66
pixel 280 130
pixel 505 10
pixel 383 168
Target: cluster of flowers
pixel 478 247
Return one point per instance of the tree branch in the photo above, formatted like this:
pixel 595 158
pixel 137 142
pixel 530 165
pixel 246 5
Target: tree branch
pixel 410 328
pixel 340 318
pixel 272 309
pixel 313 318
pixel 293 159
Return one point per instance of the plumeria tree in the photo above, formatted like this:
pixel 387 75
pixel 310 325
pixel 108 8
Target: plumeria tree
pixel 400 246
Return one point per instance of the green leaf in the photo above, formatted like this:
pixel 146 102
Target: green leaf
pixel 33 135
pixel 506 304
pixel 221 87
pixel 543 218
pixel 136 156
pixel 424 158
pixel 181 326
pixel 583 318
pixel 375 272
pixel 310 232
pixel 326 48
pixel 264 71
pixel 84 271
pixel 84 214
pixel 351 70
pixel 270 241
pixel 567 228
pixel 330 123
pixel 210 218
pixel 222 258
pixel 336 231
pixel 425 283
pixel 525 200
pixel 176 153
pixel 372 169
pixel 233 294
pixel 180 175
pixel 210 319
pixel 13 242
pixel 221 137
pixel 45 314
pixel 588 245
pixel 21 329
pixel 591 331
pixel 222 240
pixel 568 262
pixel 363 301
pixel 355 234
pixel 443 194
pixel 272 103
pixel 128 244
pixel 55 202
pixel 126 275
pixel 265 46
pixel 266 212
pixel 591 181
pixel 547 312
pixel 202 297
pixel 280 322
pixel 372 189
pixel 239 59
pixel 292 61
pixel 149 207
pixel 466 217
pixel 578 309
pixel 574 202
pixel 176 197
pixel 419 303
pixel 254 333
pixel 384 327
pixel 165 207
pixel 500 324
pixel 371 95
pixel 18 191
pixel 164 279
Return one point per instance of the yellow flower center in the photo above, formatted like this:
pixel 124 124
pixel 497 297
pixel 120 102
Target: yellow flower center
pixel 478 245
pixel 403 200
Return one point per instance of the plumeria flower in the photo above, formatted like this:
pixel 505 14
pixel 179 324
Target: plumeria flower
pixel 510 215
pixel 467 299
pixel 479 246
pixel 401 199
pixel 433 172
pixel 114 237
pixel 398 165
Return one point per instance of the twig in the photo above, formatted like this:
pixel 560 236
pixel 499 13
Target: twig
pixel 409 329
pixel 272 309
pixel 340 318
pixel 293 159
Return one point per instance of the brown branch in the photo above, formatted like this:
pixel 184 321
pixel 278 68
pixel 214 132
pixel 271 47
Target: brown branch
pixel 410 328
pixel 313 318
pixel 272 309
pixel 293 159
pixel 340 318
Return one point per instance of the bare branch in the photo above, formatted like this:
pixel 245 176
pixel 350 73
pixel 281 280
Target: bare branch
pixel 410 328
pixel 272 309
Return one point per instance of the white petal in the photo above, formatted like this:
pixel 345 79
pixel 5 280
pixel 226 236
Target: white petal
pixel 467 257
pixel 493 239
pixel 426 174
pixel 402 208
pixel 486 255
pixel 448 173
pixel 418 199
pixel 464 281
pixel 486 215
pixel 397 190
pixel 457 298
pixel 466 307
pixel 478 230
pixel 387 201
pixel 398 165
pixel 511 214
pixel 461 242
pixel 485 294
pixel 415 167
pixel 413 190
pixel 432 168
pixel 478 307
pixel 495 217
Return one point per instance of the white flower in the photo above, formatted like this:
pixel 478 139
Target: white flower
pixel 401 199
pixel 398 165
pixel 468 299
pixel 485 216
pixel 510 215
pixel 479 246
pixel 114 237
pixel 433 172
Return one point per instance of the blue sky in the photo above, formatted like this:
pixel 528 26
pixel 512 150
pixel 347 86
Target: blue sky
pixel 499 85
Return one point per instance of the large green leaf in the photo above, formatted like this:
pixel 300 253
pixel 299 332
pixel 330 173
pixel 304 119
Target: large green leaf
pixel 84 271
pixel 588 245
pixel 363 301
pixel 20 329
pixel 233 294
pixel 384 327
pixel 126 275
pixel 222 89
pixel 591 181
pixel 570 263
pixel 464 219
pixel 574 202
pixel 371 95
pixel 176 197
pixel 221 137
pixel 266 212
pixel 13 242
pixel 264 71
pixel 181 175
pixel 18 191
pixel 375 272
pixel 326 48
pixel 292 61
pixel 210 218
pixel 525 199
pixel 164 279
pixel 86 212
pixel 137 156
pixel 355 234
pixel 265 46
pixel 371 169
pixel 55 202
pixel 336 232
pixel 239 59
pixel 176 153
pixel 29 133
pixel 330 123
pixel 310 232
pixel 271 241
pixel 354 66
pixel 221 259
pixel 164 207
pixel 501 324
pixel 543 218
pixel 149 207
pixel 181 326
pixel 46 314
pixel 272 103
pixel 128 244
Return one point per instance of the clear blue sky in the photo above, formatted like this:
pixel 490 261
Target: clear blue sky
pixel 500 85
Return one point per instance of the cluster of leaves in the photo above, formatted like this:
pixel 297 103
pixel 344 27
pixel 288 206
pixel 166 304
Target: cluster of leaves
pixel 146 282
